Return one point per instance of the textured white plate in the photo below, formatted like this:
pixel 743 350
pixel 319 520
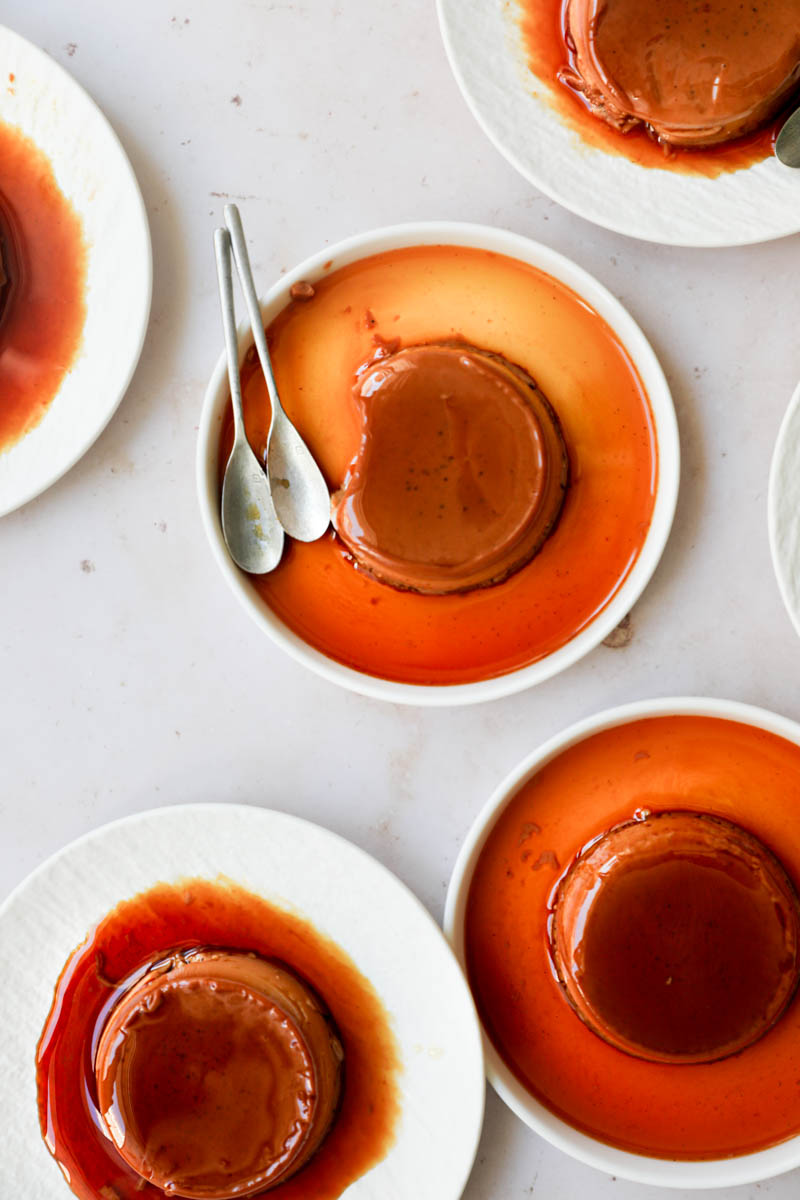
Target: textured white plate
pixel 345 894
pixel 93 172
pixel 729 1172
pixel 784 509
pixel 485 46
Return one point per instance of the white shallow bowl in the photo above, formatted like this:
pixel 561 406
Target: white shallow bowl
pixel 784 509
pixel 487 54
pixel 728 1172
pixel 609 308
pixel 345 894
pixel 93 172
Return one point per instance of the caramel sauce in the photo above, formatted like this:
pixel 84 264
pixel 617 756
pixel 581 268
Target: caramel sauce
pixel 551 54
pixel 732 1106
pixel 43 263
pixel 427 294
pixel 178 918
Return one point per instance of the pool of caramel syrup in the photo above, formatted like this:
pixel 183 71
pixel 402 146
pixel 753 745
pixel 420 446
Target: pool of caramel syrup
pixel 143 930
pixel 736 1105
pixel 42 285
pixel 438 293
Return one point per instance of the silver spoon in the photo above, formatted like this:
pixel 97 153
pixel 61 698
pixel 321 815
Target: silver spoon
pixel 299 491
pixel 250 526
pixel 787 147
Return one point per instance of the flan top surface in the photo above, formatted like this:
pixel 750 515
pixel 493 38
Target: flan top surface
pixel 217 1074
pixel 696 73
pixel 461 472
pixel 676 937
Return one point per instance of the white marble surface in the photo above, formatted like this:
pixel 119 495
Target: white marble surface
pixel 129 676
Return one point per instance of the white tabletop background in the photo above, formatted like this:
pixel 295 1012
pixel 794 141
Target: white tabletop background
pixel 131 678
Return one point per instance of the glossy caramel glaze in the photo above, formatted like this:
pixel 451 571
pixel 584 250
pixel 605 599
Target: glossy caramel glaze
pixel 42 285
pixel 737 1105
pixel 178 920
pixel 675 937
pixel 695 74
pixel 461 472
pixel 218 1074
pixel 553 58
pixel 437 294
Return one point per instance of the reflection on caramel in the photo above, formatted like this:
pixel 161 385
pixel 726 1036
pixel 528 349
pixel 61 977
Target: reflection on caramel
pixel 695 74
pixel 93 1092
pixel 422 294
pixel 553 59
pixel 42 285
pixel 736 1105
pixel 676 937
pixel 461 472
pixel 9 270
pixel 218 1074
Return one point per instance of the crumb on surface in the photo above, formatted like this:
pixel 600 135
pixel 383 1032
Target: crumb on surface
pixel 621 636
pixel 302 290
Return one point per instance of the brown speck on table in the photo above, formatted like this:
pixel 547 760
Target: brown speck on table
pixel 70 48
pixel 302 290
pixel 621 636
pixel 87 566
pixel 237 100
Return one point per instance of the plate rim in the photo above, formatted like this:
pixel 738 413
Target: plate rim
pixel 788 421
pixel 69 81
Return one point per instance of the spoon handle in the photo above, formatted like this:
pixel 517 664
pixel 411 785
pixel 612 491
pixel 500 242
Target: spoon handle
pixel 222 248
pixel 234 224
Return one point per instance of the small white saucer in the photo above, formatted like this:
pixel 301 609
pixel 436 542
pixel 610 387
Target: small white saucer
pixel 784 509
pixel 93 172
pixel 485 45
pixel 344 893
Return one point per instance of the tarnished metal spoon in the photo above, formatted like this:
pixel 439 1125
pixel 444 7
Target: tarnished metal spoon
pixel 250 525
pixel 299 491
pixel 787 147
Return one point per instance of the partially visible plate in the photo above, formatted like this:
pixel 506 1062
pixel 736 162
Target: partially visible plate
pixel 344 893
pixel 784 509
pixel 94 174
pixel 485 45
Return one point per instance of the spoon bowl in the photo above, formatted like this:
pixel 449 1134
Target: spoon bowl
pixel 299 491
pixel 787 146
pixel 250 526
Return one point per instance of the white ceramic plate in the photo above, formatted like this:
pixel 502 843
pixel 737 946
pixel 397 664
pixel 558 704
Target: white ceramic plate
pixel 499 241
pixel 729 1172
pixel 784 509
pixel 343 892
pixel 485 46
pixel 94 174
